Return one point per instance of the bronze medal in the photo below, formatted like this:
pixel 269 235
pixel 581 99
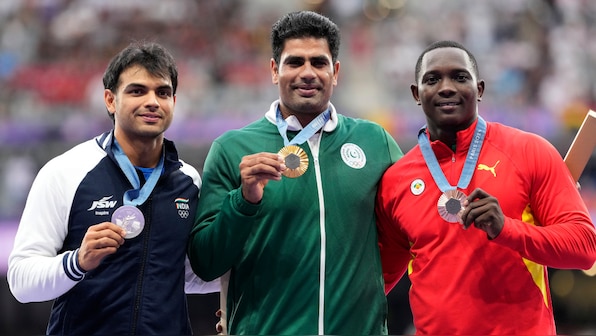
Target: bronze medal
pixel 450 205
pixel 295 159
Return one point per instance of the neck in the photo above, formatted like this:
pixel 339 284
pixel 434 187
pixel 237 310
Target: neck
pixel 141 152
pixel 447 137
pixel 303 118
pixel 447 134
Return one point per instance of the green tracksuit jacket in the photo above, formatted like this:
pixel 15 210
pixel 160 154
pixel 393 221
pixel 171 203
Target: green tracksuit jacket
pixel 305 260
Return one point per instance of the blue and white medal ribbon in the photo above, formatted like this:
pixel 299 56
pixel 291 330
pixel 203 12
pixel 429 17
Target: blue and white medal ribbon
pixel 129 216
pixel 450 203
pixel 295 159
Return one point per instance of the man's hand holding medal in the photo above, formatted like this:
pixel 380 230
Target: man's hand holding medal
pixel 99 241
pixel 256 170
pixel 484 211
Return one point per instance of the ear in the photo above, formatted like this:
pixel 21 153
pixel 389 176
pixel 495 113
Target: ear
pixel 414 89
pixel 335 72
pixel 274 72
pixel 110 100
pixel 480 89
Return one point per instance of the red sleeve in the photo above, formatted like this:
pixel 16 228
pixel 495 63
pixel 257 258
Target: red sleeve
pixel 562 235
pixel 563 245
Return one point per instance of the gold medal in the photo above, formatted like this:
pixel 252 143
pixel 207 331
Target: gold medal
pixel 450 205
pixel 295 159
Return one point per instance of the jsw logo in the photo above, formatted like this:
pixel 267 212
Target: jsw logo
pixel 103 203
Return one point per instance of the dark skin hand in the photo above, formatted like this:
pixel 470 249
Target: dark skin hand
pixel 219 326
pixel 484 211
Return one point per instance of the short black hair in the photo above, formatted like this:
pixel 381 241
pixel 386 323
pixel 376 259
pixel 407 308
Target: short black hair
pixel 304 24
pixel 155 58
pixel 446 44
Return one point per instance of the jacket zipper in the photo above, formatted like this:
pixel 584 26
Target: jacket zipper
pixel 322 266
pixel 139 288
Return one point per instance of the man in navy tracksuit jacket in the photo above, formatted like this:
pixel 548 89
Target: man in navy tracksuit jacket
pixel 68 248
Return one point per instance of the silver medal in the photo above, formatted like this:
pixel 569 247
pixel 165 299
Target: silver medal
pixel 130 218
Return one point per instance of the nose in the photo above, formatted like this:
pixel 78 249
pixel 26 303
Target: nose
pixel 447 87
pixel 308 71
pixel 152 101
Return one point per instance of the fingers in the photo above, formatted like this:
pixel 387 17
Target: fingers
pixel 99 241
pixel 476 194
pixel 256 171
pixel 475 200
pixel 219 325
pixel 484 212
pixel 109 229
pixel 104 235
pixel 262 166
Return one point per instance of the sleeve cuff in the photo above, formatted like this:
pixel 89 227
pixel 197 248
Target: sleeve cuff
pixel 73 270
pixel 243 206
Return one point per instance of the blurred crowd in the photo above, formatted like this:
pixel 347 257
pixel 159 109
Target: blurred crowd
pixel 537 57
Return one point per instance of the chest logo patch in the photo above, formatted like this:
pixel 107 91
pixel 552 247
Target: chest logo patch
pixel 488 168
pixel 417 187
pixel 103 203
pixel 182 207
pixel 353 155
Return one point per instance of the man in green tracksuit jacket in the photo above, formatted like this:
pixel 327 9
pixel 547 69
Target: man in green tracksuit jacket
pixel 287 204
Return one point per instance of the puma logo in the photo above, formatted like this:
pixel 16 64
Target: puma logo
pixel 487 168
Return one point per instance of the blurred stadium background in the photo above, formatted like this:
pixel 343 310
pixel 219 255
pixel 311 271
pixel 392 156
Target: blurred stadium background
pixel 537 57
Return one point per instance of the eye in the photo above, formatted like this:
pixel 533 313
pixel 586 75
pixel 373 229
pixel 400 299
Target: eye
pixel 295 62
pixel 164 93
pixel 320 63
pixel 430 80
pixel 462 78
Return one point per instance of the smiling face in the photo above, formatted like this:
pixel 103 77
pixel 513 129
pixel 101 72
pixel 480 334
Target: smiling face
pixel 142 105
pixel 448 91
pixel 306 76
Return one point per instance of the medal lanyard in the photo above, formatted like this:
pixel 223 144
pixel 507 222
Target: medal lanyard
pixel 137 195
pixel 471 158
pixel 305 134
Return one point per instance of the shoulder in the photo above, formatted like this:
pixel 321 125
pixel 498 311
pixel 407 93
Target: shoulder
pixel 191 171
pixel 410 161
pixel 256 128
pixel 507 137
pixel 361 125
pixel 82 157
pixel 345 120
pixel 61 177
